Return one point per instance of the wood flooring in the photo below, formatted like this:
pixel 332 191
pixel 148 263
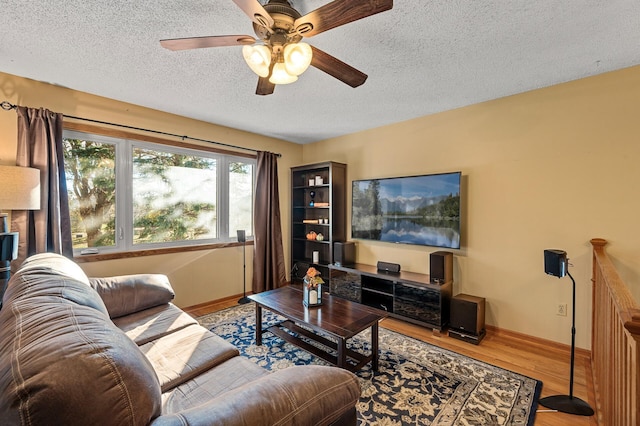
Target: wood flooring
pixel 536 358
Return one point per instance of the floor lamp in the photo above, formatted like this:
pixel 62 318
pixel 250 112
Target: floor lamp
pixel 20 191
pixel 556 264
pixel 242 238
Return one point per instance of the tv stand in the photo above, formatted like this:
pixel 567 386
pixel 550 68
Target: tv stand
pixel 405 295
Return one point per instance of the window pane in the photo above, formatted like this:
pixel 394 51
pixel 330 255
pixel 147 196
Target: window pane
pixel 91 179
pixel 240 197
pixel 174 197
pixel 166 196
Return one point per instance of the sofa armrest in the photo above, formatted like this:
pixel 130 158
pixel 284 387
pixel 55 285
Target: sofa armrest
pixel 302 395
pixel 127 294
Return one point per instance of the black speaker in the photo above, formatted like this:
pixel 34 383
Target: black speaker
pixel 466 318
pixel 241 236
pixel 388 267
pixel 299 270
pixel 441 267
pixel 344 253
pixel 555 262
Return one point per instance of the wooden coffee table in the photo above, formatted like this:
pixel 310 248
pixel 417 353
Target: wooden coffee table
pixel 336 317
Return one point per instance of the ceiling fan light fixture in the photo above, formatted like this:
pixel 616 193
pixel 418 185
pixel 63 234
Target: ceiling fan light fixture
pixel 297 58
pixel 279 75
pixel 258 58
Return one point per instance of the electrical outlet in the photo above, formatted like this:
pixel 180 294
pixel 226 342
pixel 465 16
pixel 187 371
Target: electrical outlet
pixel 562 309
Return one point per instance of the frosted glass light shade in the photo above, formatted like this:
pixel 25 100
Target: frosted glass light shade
pixel 258 58
pixel 297 58
pixel 279 75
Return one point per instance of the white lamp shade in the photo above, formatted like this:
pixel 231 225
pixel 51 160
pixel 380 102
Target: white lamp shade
pixel 258 58
pixel 279 75
pixel 297 58
pixel 20 188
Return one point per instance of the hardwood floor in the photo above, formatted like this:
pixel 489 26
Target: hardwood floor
pixel 542 360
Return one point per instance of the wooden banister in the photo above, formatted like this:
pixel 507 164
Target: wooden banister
pixel 615 343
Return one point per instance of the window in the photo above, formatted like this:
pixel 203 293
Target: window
pixel 128 195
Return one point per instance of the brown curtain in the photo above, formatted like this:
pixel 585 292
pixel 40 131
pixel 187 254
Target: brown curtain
pixel 268 254
pixel 40 147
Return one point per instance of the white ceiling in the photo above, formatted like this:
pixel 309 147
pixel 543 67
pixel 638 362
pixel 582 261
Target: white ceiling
pixel 422 57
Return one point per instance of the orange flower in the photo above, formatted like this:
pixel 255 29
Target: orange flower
pixel 313 277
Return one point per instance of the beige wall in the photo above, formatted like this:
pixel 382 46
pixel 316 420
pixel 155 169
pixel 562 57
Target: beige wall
pixel 551 168
pixel 198 276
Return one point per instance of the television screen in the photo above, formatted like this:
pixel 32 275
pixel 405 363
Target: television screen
pixel 423 210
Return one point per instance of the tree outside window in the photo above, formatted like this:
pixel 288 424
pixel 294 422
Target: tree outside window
pixel 91 183
pixel 174 197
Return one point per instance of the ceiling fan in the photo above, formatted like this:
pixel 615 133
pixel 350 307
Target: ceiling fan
pixel 278 56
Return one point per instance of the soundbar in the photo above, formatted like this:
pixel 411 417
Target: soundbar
pixel 388 267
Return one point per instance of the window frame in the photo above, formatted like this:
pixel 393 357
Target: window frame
pixel 125 143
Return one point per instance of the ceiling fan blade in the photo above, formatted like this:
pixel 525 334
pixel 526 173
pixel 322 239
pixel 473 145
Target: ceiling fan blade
pixel 211 41
pixel 338 12
pixel 336 68
pixel 256 12
pixel 265 87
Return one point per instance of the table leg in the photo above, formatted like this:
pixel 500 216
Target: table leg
pixel 374 346
pixel 342 353
pixel 258 325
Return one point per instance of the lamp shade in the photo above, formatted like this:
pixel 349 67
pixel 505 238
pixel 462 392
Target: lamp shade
pixel 297 58
pixel 20 188
pixel 258 58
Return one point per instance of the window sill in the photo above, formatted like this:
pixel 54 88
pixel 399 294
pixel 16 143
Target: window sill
pixel 141 253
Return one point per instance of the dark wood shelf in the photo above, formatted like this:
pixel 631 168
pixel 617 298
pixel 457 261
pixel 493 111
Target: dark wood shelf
pixel 311 188
pixel 312 241
pixel 333 192
pixel 312 207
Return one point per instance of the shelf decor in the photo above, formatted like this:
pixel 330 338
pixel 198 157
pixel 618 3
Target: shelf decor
pixel 312 288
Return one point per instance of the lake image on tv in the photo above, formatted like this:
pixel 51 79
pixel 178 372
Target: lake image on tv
pixel 422 210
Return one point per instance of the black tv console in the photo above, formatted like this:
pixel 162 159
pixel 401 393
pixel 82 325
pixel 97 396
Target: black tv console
pixel 404 295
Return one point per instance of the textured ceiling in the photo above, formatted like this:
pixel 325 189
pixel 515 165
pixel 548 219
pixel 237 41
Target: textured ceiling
pixel 422 57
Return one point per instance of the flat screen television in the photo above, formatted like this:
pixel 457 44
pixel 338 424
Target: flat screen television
pixel 422 210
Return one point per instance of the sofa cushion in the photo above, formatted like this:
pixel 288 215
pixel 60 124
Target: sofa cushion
pixel 54 264
pixel 231 374
pixel 69 363
pixel 300 395
pixel 127 294
pixel 50 275
pixel 153 323
pixel 182 355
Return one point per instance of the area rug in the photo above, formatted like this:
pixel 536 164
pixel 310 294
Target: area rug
pixel 416 383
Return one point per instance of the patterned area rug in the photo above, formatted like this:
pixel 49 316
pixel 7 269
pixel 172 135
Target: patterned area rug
pixel 417 383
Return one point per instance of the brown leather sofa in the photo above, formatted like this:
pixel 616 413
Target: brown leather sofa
pixel 116 351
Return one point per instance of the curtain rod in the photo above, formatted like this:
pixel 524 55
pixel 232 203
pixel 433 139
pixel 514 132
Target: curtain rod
pixel 7 106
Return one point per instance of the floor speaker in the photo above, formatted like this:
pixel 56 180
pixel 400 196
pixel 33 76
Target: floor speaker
pixel 466 318
pixel 441 267
pixel 344 253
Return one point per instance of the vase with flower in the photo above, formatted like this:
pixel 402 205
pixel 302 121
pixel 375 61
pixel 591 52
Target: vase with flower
pixel 312 288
